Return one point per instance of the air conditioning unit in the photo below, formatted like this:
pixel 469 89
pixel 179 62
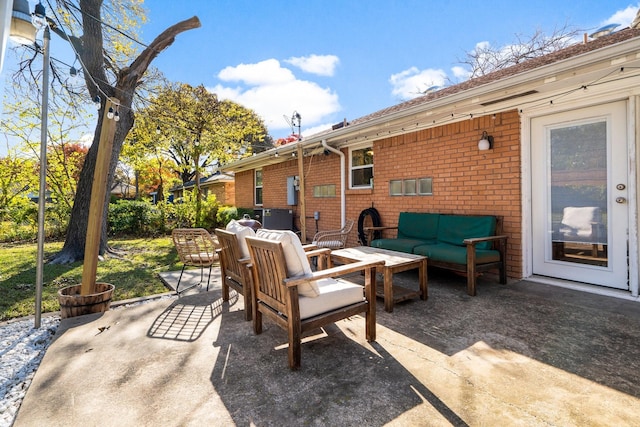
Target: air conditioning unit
pixel 277 219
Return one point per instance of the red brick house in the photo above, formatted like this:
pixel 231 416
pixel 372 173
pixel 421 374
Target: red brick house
pixel 221 185
pixel 565 135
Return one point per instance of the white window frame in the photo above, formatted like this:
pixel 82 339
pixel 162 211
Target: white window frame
pixel 256 187
pixel 352 168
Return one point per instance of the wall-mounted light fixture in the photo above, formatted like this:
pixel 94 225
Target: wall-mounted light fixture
pixel 22 29
pixel 486 142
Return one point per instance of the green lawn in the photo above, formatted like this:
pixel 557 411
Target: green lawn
pixel 134 273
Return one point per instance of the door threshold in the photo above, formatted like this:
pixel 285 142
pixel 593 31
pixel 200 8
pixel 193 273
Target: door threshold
pixel 584 287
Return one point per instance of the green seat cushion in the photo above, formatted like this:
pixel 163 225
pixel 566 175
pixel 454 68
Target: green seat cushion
pixel 418 225
pixel 454 229
pixel 445 252
pixel 400 245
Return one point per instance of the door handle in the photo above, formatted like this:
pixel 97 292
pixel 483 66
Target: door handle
pixel 621 200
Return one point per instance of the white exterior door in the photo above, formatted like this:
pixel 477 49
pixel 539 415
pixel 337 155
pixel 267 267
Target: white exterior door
pixel 580 212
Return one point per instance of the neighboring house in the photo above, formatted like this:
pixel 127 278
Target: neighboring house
pixel 219 184
pixel 122 190
pixel 565 128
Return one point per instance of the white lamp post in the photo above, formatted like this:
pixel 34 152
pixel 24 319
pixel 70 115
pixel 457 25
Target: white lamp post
pixel 23 31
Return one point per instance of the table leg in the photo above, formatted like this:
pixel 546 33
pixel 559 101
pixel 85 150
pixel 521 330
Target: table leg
pixel 422 272
pixel 388 290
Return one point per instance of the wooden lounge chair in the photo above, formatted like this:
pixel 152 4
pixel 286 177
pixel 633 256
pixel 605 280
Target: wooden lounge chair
pixel 285 298
pixel 196 248
pixel 234 266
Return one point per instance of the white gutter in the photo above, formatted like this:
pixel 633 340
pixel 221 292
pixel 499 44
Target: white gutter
pixel 343 197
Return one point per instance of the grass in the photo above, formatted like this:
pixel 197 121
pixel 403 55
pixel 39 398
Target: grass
pixel 134 273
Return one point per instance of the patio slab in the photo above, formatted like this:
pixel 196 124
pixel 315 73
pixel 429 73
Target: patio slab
pixel 521 354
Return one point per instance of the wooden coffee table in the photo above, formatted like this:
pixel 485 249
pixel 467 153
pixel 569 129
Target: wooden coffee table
pixel 394 262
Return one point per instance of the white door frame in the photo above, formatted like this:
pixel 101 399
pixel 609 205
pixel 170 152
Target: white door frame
pixel 633 137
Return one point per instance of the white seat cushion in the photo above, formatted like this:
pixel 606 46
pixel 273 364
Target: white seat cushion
pixel 297 262
pixel 241 232
pixel 333 294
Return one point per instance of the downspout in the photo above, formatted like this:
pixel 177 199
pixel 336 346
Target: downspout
pixel 343 199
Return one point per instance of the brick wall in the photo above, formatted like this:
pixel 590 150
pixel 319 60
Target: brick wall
pixel 465 180
pixel 244 189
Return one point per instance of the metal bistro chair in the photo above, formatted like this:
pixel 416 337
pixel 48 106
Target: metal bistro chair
pixel 196 248
pixel 333 239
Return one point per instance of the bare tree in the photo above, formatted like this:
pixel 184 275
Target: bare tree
pixel 485 58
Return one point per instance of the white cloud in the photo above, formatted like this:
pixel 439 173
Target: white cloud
pixel 266 72
pixel 275 93
pixel 460 73
pixel 322 65
pixel 307 132
pixel 412 82
pixel 622 17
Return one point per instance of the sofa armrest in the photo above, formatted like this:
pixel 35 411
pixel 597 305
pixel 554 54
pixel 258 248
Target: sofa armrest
pixel 370 230
pixel 475 240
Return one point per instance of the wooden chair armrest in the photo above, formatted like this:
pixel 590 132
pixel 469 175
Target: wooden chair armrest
pixel 318 252
pixel 474 241
pixel 333 272
pixel 323 255
pixel 309 247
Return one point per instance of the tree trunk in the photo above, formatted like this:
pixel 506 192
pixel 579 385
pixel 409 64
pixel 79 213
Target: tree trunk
pixel 127 81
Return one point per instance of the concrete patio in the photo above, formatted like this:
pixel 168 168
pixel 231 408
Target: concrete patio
pixel 517 354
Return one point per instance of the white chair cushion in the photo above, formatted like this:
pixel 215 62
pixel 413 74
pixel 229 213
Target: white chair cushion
pixel 333 294
pixel 579 220
pixel 241 232
pixel 297 262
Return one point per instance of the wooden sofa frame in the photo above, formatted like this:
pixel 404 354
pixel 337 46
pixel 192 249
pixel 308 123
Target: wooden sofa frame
pixel 472 268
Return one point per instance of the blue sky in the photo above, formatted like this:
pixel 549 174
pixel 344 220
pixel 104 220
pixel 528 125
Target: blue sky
pixel 330 60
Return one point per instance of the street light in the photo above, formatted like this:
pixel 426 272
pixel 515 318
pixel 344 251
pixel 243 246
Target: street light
pixel 23 30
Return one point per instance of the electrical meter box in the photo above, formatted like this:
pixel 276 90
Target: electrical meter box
pixel 293 185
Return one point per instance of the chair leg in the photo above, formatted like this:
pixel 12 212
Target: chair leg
pixel 209 278
pixel 295 345
pixel 180 278
pixel 257 322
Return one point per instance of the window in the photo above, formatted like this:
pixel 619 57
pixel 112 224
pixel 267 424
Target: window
pixel 425 186
pixel 328 190
pixel 409 186
pixel 258 187
pixel 361 167
pixel 395 187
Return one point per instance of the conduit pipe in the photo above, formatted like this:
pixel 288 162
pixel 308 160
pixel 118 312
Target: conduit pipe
pixel 343 186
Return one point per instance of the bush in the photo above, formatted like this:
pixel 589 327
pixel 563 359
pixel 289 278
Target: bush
pixel 226 214
pixel 133 218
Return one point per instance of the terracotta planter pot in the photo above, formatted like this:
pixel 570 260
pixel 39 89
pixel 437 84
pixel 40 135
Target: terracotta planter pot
pixel 73 304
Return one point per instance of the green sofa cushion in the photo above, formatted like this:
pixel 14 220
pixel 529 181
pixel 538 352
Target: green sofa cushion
pixel 418 225
pixel 400 245
pixel 454 229
pixel 445 252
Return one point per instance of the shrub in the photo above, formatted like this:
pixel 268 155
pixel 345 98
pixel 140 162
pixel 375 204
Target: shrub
pixel 133 218
pixel 226 214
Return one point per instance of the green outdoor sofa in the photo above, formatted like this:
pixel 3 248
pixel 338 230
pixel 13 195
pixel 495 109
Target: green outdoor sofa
pixel 463 243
